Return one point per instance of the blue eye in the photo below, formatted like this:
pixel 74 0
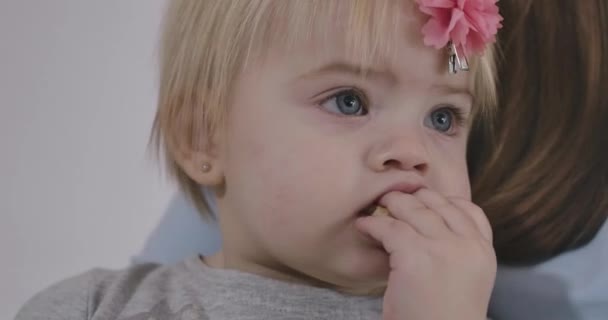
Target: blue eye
pixel 446 119
pixel 347 102
pixel 442 119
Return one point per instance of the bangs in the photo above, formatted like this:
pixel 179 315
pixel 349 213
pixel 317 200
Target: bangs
pixel 365 30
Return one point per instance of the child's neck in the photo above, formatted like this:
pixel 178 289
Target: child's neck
pixel 221 260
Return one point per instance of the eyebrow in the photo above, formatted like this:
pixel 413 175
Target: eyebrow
pixel 351 69
pixel 358 71
pixel 447 89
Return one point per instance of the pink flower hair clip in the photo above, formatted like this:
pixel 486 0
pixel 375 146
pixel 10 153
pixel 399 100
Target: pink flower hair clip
pixel 463 26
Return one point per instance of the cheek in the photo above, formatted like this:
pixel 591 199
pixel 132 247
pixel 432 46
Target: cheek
pixel 452 172
pixel 255 187
pixel 461 183
pixel 465 186
pixel 277 183
pixel 455 181
pixel 274 166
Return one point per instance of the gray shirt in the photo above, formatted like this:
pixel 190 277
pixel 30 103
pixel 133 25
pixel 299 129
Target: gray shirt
pixel 191 290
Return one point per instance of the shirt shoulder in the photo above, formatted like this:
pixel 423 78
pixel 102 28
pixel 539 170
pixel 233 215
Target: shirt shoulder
pixel 129 294
pixel 68 299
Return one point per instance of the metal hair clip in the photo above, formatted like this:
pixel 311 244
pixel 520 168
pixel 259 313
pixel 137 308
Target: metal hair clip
pixel 456 61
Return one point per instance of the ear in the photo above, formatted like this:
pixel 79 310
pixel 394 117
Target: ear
pixel 202 164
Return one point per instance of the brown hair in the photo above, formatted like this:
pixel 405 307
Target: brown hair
pixel 207 43
pixel 541 173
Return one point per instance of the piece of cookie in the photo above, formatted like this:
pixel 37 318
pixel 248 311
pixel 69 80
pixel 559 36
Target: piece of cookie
pixel 381 211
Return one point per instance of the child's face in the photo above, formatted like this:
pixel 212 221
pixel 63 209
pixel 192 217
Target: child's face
pixel 310 143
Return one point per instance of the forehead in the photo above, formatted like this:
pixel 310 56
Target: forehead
pixel 380 35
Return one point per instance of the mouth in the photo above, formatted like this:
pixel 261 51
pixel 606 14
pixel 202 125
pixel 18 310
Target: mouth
pixel 368 210
pixel 373 209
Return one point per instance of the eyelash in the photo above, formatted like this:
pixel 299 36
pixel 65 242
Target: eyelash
pixel 355 91
pixel 459 117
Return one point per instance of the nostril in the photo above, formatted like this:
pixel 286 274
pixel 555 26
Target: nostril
pixel 396 164
pixel 392 163
pixel 423 167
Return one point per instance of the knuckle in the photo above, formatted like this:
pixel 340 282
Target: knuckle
pixel 395 226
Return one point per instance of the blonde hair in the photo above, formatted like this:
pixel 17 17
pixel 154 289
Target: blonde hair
pixel 207 43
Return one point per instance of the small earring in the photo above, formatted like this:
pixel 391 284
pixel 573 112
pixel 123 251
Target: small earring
pixel 206 167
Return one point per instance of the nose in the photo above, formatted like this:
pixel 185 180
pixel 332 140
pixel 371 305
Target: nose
pixel 402 152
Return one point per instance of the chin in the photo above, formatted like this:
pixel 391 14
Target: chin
pixel 362 270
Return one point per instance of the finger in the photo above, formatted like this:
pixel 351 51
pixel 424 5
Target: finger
pixel 411 210
pixel 477 215
pixel 393 234
pixel 457 220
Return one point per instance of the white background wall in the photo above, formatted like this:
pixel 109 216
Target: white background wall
pixel 77 97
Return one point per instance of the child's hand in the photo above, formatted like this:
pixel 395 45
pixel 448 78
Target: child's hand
pixel 442 261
